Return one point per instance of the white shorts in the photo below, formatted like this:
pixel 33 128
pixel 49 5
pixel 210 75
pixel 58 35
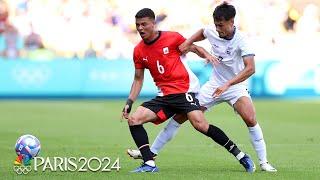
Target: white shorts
pixel 230 96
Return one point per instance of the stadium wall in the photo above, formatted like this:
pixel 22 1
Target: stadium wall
pixel 63 78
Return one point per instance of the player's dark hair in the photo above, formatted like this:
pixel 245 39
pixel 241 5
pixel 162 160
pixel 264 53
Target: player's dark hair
pixel 224 11
pixel 145 12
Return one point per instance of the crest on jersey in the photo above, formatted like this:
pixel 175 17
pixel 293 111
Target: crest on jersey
pixel 165 50
pixel 228 51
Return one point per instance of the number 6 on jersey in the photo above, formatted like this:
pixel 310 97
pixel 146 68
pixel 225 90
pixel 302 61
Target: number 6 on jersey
pixel 160 67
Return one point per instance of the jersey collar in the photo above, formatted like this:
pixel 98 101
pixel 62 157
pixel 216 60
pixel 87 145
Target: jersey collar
pixel 153 41
pixel 234 32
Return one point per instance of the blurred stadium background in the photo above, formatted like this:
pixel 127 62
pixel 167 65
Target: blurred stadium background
pixel 83 49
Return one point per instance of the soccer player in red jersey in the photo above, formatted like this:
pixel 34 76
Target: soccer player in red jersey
pixel 158 51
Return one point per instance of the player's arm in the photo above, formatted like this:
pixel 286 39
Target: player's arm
pixel 201 52
pixel 247 55
pixel 198 36
pixel 134 92
pixel 248 70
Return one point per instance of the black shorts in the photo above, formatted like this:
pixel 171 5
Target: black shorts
pixel 166 106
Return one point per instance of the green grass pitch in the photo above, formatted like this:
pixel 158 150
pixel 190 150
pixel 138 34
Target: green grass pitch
pixel 93 128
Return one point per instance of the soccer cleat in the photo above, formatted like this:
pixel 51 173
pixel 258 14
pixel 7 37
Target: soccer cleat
pixel 247 163
pixel 136 154
pixel 145 168
pixel 267 167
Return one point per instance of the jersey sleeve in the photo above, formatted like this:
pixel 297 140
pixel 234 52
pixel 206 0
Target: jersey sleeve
pixel 137 60
pixel 206 31
pixel 245 48
pixel 179 39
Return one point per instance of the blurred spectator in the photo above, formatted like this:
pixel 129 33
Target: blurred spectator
pixel 11 43
pixel 3 15
pixel 35 49
pixel 33 41
pixel 290 22
pixel 161 16
pixel 90 52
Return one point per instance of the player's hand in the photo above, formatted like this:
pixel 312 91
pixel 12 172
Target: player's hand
pixel 126 109
pixel 220 90
pixel 211 59
pixel 184 47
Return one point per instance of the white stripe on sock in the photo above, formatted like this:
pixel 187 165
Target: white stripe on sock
pixel 240 155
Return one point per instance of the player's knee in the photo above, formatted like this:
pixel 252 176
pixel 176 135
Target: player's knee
pixel 204 128
pixel 131 121
pixel 250 120
pixel 200 126
pixel 134 120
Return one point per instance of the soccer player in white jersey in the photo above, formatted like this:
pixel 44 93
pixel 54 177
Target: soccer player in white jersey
pixel 228 82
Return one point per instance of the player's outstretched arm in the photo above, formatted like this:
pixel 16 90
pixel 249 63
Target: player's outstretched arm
pixel 198 36
pixel 134 92
pixel 201 52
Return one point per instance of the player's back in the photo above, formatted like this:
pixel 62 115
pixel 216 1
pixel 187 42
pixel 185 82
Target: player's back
pixel 162 58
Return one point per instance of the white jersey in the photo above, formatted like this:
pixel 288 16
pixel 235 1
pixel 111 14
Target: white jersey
pixel 230 53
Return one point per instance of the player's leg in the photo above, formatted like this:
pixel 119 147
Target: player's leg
pixel 136 120
pixel 156 111
pixel 164 136
pixel 246 110
pixel 198 121
pixel 168 132
pixel 190 105
pixel 206 101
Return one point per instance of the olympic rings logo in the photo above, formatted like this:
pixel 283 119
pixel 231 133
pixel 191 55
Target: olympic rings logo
pixel 31 76
pixel 22 169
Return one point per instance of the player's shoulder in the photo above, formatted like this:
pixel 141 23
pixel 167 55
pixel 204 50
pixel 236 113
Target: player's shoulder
pixel 170 33
pixel 210 32
pixel 240 34
pixel 209 28
pixel 139 46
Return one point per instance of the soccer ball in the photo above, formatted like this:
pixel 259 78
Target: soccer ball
pixel 28 146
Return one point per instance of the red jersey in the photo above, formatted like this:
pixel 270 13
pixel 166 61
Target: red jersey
pixel 162 58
